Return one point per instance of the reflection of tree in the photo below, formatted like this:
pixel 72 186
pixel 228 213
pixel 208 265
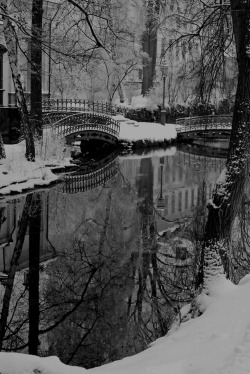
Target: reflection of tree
pixel 2 216
pixel 157 295
pixel 113 287
pixel 23 224
pixel 33 277
pixel 85 297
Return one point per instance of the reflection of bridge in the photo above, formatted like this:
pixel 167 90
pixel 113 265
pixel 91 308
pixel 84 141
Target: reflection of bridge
pixel 195 161
pixel 205 127
pixel 84 182
pixel 78 120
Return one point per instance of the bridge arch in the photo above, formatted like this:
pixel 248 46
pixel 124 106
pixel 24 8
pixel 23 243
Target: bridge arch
pixel 204 127
pixel 85 125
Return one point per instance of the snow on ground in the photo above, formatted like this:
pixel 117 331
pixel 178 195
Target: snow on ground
pixel 15 363
pixel 131 130
pixel 17 174
pixel 218 342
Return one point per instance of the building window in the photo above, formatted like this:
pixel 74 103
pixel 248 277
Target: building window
pixel 2 51
pixel 192 198
pixel 173 203
pixel 186 199
pixel 163 46
pixel 140 74
pixel 180 201
pixel 1 70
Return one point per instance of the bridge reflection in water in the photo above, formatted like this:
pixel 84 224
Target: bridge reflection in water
pixel 88 181
pixel 176 180
pixel 115 226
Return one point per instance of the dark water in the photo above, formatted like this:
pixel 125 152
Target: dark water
pixel 117 254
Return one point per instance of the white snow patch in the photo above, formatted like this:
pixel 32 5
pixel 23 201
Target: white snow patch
pixel 222 177
pixel 18 174
pixel 133 130
pixel 15 363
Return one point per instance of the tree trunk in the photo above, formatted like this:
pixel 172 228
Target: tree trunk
pixel 149 45
pixel 10 39
pixel 34 259
pixel 36 66
pixel 13 266
pixel 120 92
pixel 228 194
pixel 2 150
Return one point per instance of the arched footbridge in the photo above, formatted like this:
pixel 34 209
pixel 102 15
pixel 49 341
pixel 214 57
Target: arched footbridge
pixel 79 122
pixel 208 128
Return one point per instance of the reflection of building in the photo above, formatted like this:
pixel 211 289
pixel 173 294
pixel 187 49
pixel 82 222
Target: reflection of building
pixel 186 182
pixel 180 181
pixel 10 218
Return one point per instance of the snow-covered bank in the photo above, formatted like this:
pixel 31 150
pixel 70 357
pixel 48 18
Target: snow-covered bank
pixel 134 131
pixel 218 342
pixel 15 363
pixel 17 174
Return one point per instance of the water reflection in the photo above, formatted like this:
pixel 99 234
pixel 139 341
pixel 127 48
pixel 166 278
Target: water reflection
pixel 113 282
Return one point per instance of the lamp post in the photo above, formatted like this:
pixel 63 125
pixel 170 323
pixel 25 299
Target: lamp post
pixel 161 202
pixel 164 71
pixel 51 9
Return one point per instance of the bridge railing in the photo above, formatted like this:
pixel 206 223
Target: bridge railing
pixel 77 105
pixel 210 122
pixel 86 121
pixel 200 162
pixel 81 183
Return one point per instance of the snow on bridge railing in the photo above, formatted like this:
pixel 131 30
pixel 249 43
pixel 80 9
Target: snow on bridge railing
pixel 78 105
pixel 86 121
pixel 210 122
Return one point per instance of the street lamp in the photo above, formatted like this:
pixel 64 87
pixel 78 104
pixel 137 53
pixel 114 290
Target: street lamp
pixel 164 71
pixel 161 202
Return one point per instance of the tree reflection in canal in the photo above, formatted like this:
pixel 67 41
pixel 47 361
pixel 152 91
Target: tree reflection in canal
pixel 121 265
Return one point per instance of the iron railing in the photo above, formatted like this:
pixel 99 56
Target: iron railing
pixel 210 122
pixel 77 105
pixel 205 163
pixel 85 182
pixel 86 121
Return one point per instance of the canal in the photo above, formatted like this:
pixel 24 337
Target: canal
pixel 116 253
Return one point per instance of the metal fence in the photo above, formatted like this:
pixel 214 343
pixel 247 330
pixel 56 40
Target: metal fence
pixel 77 105
pixel 81 183
pixel 86 121
pixel 211 122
